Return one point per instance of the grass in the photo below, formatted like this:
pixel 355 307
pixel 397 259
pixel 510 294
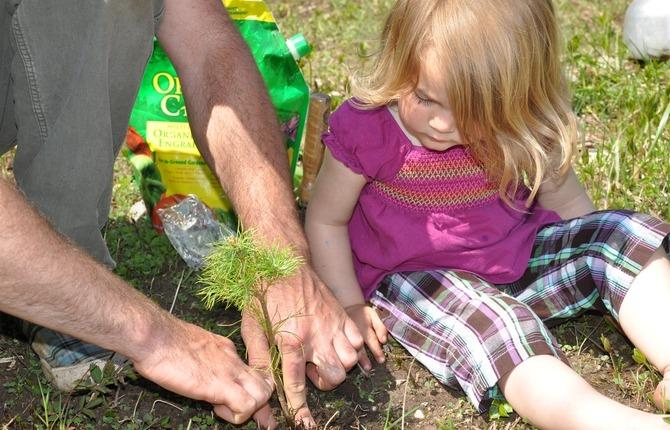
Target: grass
pixel 624 108
pixel 624 105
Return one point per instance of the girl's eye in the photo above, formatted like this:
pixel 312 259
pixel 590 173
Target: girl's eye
pixel 421 100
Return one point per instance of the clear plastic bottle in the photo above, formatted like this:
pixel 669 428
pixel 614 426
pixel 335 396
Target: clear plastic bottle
pixel 646 28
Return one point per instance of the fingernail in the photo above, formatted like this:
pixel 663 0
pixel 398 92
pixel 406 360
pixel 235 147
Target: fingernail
pixel 308 422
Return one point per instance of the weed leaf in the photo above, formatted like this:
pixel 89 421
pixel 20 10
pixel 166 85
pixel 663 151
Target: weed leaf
pixel 639 357
pixel 96 374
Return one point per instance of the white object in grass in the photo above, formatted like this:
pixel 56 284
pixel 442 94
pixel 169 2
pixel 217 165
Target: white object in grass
pixel 646 28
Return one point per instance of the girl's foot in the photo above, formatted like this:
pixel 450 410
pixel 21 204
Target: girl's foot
pixel 662 394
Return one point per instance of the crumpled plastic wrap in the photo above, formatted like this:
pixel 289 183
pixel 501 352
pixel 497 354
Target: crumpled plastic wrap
pixel 192 229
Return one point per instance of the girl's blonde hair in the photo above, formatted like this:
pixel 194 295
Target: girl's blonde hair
pixel 502 77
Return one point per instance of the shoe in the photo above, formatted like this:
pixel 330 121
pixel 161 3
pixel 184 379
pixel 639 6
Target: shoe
pixel 67 361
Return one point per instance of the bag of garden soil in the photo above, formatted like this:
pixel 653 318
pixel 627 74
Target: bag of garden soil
pixel 159 144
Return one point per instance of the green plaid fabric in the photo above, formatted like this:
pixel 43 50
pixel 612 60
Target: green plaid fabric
pixel 469 333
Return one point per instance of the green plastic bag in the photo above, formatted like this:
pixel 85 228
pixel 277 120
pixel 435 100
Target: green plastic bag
pixel 159 144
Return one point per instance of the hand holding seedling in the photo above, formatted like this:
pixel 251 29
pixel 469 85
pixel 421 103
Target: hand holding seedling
pixel 242 272
pixel 317 338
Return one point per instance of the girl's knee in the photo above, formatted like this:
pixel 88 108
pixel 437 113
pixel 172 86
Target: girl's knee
pixel 620 234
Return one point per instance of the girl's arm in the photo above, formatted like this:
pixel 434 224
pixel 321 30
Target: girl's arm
pixel 330 207
pixel 565 196
pixel 331 204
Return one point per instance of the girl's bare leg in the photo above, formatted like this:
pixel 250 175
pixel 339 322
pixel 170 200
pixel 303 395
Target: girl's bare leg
pixel 644 318
pixel 551 395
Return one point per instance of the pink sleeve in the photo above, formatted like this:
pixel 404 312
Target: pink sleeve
pixel 365 141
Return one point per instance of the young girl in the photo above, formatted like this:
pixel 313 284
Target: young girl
pixel 447 201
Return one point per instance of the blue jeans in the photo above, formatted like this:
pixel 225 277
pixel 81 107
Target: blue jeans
pixel 69 74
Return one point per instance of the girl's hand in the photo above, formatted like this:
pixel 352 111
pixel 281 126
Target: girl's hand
pixel 373 331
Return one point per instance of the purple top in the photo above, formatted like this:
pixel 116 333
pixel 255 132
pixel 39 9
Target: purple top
pixel 423 209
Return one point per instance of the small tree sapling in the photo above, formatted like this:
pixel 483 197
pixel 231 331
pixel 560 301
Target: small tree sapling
pixel 238 272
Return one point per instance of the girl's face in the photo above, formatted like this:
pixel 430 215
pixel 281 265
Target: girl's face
pixel 425 112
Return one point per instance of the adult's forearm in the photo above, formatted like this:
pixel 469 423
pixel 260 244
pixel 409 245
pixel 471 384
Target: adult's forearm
pixel 50 282
pixel 237 132
pixel 239 135
pixel 46 280
pixel 232 118
pixel 250 161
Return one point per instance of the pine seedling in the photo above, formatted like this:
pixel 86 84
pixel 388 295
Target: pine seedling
pixel 238 272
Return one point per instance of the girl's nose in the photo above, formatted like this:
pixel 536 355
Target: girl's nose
pixel 443 123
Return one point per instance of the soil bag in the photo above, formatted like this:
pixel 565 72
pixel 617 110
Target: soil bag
pixel 166 162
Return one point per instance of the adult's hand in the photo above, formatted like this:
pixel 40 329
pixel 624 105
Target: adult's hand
pixel 198 364
pixel 50 282
pixel 316 339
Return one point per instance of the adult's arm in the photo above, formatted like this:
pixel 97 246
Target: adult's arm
pixel 49 281
pixel 236 130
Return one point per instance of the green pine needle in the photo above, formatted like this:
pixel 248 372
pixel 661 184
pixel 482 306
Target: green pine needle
pixel 240 269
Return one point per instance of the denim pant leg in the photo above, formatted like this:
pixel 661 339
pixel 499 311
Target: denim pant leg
pixel 7 122
pixel 76 66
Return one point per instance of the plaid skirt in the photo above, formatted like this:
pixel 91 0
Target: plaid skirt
pixel 470 333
